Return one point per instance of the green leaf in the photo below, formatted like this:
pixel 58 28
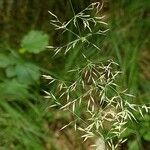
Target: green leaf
pixel 27 73
pixel 4 61
pixel 35 42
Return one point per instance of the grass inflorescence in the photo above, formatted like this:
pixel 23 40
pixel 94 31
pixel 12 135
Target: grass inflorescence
pixel 105 107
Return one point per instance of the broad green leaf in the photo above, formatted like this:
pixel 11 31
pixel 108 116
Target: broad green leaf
pixel 34 42
pixel 27 73
pixel 6 60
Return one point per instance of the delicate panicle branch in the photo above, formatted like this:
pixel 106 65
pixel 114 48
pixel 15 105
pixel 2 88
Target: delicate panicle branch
pixel 107 109
pixel 88 20
pixel 94 90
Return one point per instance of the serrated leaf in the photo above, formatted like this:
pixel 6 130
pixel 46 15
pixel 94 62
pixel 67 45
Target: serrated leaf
pixel 35 42
pixel 6 60
pixel 27 73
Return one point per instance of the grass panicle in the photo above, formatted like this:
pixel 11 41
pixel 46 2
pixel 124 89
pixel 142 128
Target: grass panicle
pixel 105 109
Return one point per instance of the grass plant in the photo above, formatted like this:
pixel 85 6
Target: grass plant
pixel 93 87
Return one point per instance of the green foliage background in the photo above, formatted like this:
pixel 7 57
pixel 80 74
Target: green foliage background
pixel 25 123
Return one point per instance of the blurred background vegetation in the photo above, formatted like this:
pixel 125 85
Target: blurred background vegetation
pixel 25 31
